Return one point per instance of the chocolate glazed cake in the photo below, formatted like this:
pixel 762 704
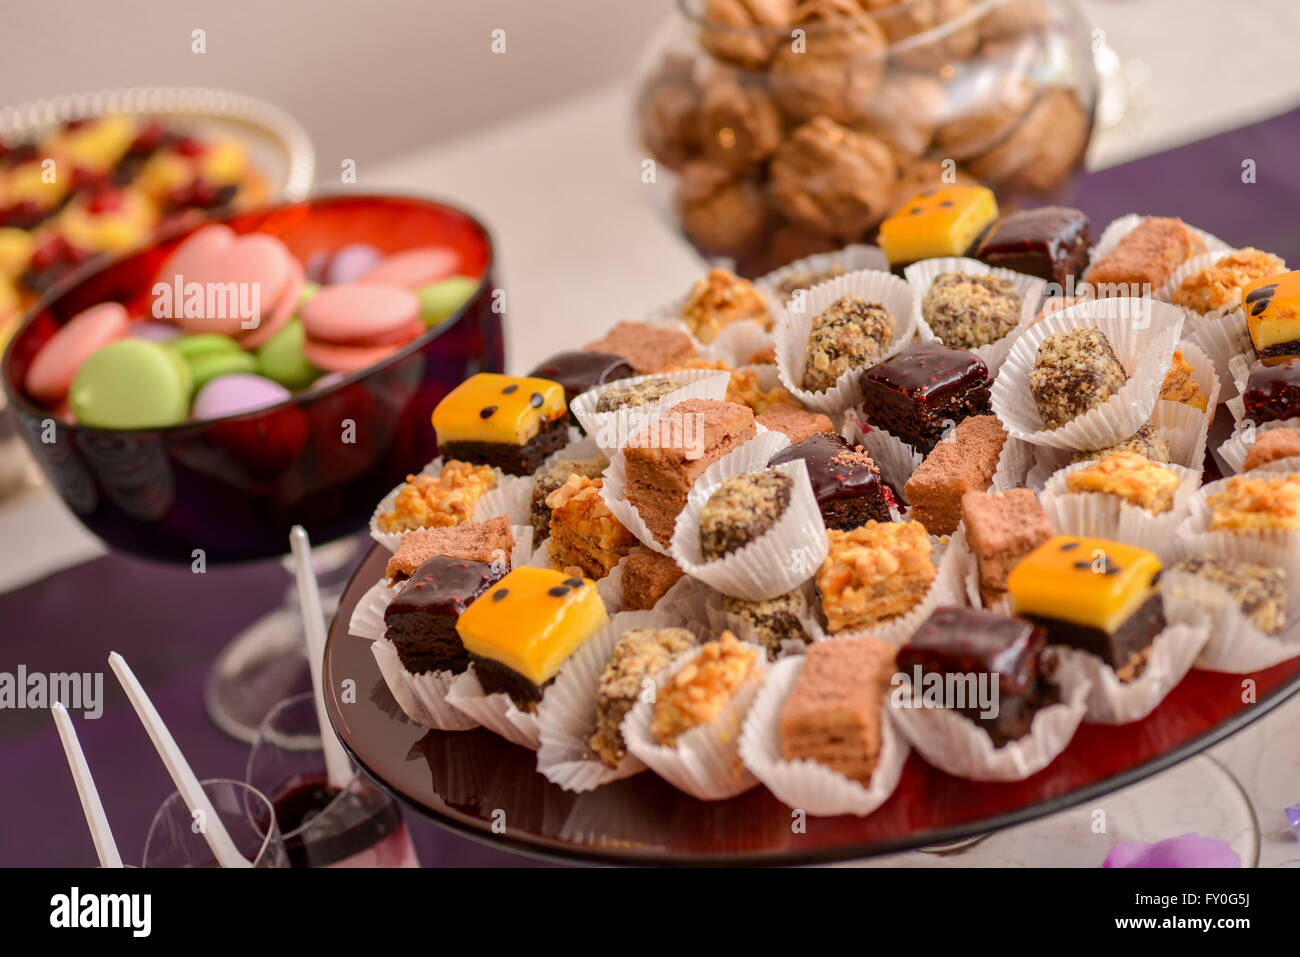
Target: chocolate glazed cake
pixel 845 481
pixel 920 393
pixel 421 621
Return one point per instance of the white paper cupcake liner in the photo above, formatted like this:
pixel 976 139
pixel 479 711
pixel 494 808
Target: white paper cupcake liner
pixel 921 275
pixel 1015 463
pixel 1233 452
pixel 1101 515
pixel 423 698
pixel 1144 352
pixel 705 762
pixel 1118 228
pixel 513 498
pixel 1235 645
pixel 958 746
pixel 496 712
pixel 720 620
pixel 778 561
pixel 854 258
pixel 792 331
pixel 611 430
pixel 1200 512
pixel 895 458
pixel 1173 652
pixel 946 589
pixel 804 784
pixel 567 714
pixel 738 342
pixel 367 619
pixel 390 540
pixel 610 587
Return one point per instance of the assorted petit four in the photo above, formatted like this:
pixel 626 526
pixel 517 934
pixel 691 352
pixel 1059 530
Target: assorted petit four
pixel 848 334
pixel 421 620
pixel 548 480
pixel 834 714
pixel 1222 283
pixel 584 533
pixel 970 642
pixel 489 542
pixel 1267 503
pixel 744 388
pixel 647 348
pixel 508 422
pixel 964 462
pixel 1272 308
pixel 772 620
pixel 937 222
pixel 741 510
pixel 647 576
pixel 640 654
pixel 699 691
pixel 1272 445
pixel 845 481
pixel 524 627
pixel 1145 258
pixel 967 311
pixel 923 391
pixel 1001 529
pixel 1074 371
pixel 806 279
pixel 445 498
pixel 583 370
pixel 1146 442
pixel 875 572
pixel 1258 590
pixel 718 300
pixel 633 394
pixel 664 460
pixel 794 423
pixel 1130 477
pixel 1180 386
pixel 1098 596
pixel 1051 242
pixel 1273 391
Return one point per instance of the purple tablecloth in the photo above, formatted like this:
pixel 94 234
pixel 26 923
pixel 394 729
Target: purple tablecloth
pixel 170 624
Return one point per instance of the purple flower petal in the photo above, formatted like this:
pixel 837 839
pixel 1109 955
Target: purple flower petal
pixel 1186 850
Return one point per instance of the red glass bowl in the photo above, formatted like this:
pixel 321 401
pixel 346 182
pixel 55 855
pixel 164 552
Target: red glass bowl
pixel 234 486
pixel 472 782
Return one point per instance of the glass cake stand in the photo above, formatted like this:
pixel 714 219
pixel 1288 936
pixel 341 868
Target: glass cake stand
pixel 473 781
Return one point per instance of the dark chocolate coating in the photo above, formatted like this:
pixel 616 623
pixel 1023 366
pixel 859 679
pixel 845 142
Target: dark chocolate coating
pixel 1051 242
pixel 1115 649
pixel 421 621
pixel 912 393
pixel 513 459
pixel 581 370
pixel 849 493
pixel 1273 392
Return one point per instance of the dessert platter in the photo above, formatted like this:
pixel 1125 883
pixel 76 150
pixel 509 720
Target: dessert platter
pixel 890 547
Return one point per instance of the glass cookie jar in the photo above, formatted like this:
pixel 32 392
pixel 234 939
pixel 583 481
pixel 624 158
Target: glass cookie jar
pixel 780 129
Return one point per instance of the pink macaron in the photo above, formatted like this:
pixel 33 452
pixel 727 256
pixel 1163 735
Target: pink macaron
pixel 283 311
pixel 415 268
pixel 363 314
pixel 345 359
pixel 51 373
pixel 257 264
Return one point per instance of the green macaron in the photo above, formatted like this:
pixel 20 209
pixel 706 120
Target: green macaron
pixel 203 344
pixel 131 384
pixel 207 367
pixel 281 358
pixel 440 299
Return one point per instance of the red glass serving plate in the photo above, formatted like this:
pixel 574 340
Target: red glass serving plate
pixel 481 786
pixel 235 486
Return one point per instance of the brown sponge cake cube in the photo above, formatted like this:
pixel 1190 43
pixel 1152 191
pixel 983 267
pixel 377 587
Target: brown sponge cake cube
pixel 489 541
pixel 1272 445
pixel 965 462
pixel 1001 529
pixel 664 460
pixel 647 348
pixel 647 575
pixel 1147 256
pixel 833 715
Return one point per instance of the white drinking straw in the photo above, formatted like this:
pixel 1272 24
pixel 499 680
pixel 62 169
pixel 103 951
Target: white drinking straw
pixel 187 784
pixel 338 769
pixel 100 832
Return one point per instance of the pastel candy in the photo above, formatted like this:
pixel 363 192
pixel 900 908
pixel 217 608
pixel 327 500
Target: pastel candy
pixel 363 313
pixel 282 359
pixel 203 343
pixel 153 331
pixel 351 263
pixel 205 368
pixel 253 264
pixel 441 299
pixel 275 321
pixel 200 245
pixel 415 268
pixel 51 373
pixel 336 358
pixel 131 384
pixel 233 394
